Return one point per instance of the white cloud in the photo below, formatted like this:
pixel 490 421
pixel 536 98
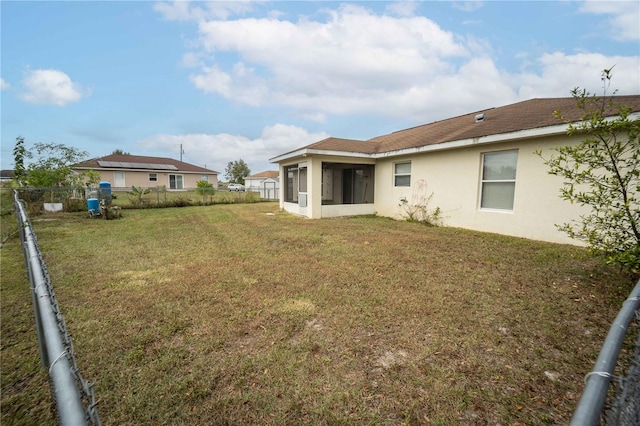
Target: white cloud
pixel 241 84
pixel 402 8
pixel 407 67
pixel 212 80
pixel 3 84
pixel 182 10
pixel 560 73
pixel 219 149
pixel 624 21
pixel 50 87
pixel 468 6
pixel 337 66
pixel 192 60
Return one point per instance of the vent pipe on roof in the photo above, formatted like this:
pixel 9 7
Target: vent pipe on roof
pixel 479 117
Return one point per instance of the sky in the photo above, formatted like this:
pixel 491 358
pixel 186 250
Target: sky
pixel 224 81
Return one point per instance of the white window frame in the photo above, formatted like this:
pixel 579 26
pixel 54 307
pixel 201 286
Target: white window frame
pixel 119 180
pixel 204 178
pixel 503 181
pixel 401 175
pixel 153 177
pixel 177 177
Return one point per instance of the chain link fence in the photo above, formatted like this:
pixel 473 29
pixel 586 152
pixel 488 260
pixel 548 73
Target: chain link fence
pixel 38 200
pixel 73 395
pixel 623 408
pixel 618 362
pixel 611 395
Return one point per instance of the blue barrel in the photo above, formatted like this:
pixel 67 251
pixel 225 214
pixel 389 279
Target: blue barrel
pixel 94 205
pixel 105 191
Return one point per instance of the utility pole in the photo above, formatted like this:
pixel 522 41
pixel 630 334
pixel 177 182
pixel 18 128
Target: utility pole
pixel 181 152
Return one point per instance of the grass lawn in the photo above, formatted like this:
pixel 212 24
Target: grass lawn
pixel 241 314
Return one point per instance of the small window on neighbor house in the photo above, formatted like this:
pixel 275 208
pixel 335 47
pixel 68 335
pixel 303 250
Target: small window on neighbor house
pixel 153 177
pixel 498 183
pixel 402 174
pixel 204 178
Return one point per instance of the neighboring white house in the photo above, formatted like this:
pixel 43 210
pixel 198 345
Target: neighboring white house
pixel 481 168
pixel 266 183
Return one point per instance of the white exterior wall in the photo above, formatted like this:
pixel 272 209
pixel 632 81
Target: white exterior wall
pixel 267 187
pixel 454 176
pixel 340 210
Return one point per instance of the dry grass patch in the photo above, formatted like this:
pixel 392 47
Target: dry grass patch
pixel 239 314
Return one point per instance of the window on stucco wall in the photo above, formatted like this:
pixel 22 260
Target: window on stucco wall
pixel 498 182
pixel 402 174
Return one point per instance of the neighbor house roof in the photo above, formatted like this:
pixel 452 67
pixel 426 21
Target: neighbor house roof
pixel 522 117
pixel 140 162
pixel 6 174
pixel 264 175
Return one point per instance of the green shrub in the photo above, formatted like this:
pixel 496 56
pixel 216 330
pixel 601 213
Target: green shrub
pixel 75 205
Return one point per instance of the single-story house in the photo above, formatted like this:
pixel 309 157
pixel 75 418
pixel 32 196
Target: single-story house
pixel 266 183
pixel 6 175
pixel 480 169
pixel 125 171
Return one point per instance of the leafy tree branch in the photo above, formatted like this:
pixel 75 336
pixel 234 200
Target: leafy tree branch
pixel 602 172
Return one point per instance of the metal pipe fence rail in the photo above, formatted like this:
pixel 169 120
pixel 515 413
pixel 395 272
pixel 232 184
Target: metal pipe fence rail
pixel 624 400
pixel 74 397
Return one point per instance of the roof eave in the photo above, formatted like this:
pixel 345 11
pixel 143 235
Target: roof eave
pixel 482 140
pixel 306 152
pixel 557 129
pixel 98 168
pixel 288 155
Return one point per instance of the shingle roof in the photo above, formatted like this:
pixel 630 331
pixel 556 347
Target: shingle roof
pixel 141 159
pixel 346 145
pixel 7 174
pixel 266 174
pixel 526 115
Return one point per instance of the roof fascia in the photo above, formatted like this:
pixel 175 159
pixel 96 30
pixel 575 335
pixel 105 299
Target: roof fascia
pixel 115 169
pixel 482 140
pixel 301 153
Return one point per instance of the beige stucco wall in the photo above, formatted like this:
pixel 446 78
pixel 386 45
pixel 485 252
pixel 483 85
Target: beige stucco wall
pixel 141 179
pixel 453 177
